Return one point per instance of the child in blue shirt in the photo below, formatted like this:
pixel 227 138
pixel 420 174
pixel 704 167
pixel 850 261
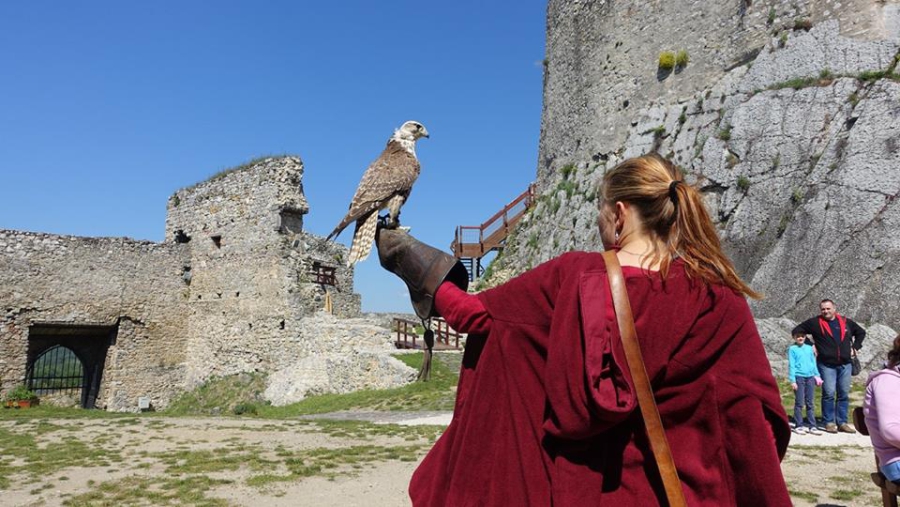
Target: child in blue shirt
pixel 803 373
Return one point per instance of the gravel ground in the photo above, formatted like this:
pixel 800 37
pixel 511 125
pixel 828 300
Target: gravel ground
pixel 821 470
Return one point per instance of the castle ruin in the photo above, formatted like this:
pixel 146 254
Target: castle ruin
pixel 224 293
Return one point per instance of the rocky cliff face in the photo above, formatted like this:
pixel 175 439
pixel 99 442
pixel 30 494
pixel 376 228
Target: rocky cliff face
pixel 795 143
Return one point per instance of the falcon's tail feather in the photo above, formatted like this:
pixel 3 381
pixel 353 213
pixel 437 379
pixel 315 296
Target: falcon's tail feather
pixel 363 238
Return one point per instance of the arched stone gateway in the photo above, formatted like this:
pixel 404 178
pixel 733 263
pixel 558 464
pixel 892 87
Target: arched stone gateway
pixel 67 360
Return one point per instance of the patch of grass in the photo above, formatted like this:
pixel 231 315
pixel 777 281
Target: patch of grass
pixel 221 395
pixel 820 452
pixel 682 58
pixel 857 393
pixel 567 186
pixel 42 460
pixel 872 75
pixel 796 83
pixel 802 24
pixel 771 17
pixel 743 183
pixel 330 463
pixel 782 40
pixel 667 60
pixel 136 490
pixel 804 495
pixel 853 99
pixel 845 494
pixel 796 196
pixel 567 170
pixel 219 459
pixel 362 430
pixel 656 131
pixel 682 118
pixel 725 133
pixel 246 165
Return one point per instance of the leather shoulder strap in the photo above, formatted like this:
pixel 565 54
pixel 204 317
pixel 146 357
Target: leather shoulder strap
pixel 655 432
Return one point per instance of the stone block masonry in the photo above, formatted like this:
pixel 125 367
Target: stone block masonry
pixel 226 292
pixel 64 282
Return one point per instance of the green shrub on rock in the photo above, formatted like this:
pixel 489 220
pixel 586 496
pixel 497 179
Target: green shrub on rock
pixel 667 60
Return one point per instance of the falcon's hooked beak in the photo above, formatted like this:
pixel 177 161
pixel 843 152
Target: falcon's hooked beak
pixel 424 134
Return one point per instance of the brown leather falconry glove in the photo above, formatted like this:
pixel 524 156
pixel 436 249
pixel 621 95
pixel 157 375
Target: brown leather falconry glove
pixel 423 267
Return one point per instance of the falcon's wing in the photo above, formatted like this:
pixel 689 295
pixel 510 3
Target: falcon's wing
pixel 392 173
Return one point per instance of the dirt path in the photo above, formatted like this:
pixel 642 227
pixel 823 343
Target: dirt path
pixel 235 462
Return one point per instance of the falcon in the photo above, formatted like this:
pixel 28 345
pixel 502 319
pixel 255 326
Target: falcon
pixel 385 185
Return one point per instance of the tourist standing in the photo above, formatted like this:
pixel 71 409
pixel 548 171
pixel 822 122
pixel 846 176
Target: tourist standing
pixel 803 375
pixel 837 338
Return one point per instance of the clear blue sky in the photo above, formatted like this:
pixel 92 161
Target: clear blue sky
pixel 106 108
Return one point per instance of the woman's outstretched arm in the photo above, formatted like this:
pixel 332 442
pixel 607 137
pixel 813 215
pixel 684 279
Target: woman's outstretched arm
pixel 462 311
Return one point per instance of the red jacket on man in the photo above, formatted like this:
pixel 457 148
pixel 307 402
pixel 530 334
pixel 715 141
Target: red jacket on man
pixel 546 411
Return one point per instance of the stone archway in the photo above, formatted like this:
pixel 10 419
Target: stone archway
pixel 66 357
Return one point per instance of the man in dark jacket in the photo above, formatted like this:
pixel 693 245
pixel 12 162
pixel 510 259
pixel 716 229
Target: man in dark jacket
pixel 837 339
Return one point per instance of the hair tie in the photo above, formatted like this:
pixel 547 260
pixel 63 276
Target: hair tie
pixel 673 192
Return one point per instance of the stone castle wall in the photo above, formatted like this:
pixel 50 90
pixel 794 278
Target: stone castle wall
pixel 601 65
pixel 136 286
pixel 792 135
pixel 226 292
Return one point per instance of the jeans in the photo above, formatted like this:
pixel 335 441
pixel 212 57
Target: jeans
pixel 835 379
pixel 892 471
pixel 804 396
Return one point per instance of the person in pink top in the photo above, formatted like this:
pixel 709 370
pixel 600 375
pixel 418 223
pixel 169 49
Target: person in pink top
pixel 882 410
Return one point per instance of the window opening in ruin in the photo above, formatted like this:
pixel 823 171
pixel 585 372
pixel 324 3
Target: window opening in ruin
pixel 217 240
pixel 290 221
pixel 237 294
pixel 181 237
pixel 186 274
pixel 281 324
pixel 323 275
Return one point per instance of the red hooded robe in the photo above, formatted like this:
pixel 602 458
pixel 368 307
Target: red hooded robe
pixel 546 411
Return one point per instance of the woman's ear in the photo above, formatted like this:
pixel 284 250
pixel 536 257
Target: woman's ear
pixel 622 211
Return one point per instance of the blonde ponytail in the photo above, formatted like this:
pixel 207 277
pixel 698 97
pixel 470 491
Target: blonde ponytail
pixel 673 212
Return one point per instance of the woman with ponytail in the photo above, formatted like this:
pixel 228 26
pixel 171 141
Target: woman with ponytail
pixel 546 410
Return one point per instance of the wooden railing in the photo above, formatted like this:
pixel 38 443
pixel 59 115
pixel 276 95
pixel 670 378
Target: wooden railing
pixel 324 275
pixel 475 241
pixel 443 333
pixel 406 337
pixel 405 332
